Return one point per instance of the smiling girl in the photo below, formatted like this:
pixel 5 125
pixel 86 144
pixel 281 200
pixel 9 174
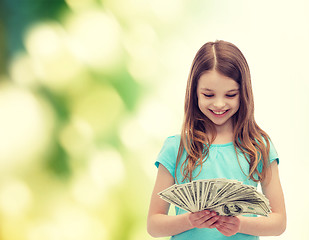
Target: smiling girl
pixel 219 139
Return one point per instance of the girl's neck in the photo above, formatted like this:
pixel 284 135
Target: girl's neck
pixel 223 139
pixel 225 134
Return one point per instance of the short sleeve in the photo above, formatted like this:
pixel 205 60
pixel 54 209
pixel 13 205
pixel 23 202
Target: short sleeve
pixel 168 154
pixel 273 155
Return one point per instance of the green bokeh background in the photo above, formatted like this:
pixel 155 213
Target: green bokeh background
pixel 89 90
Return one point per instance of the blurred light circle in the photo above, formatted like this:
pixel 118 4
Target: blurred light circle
pixel 156 118
pixel 100 106
pixel 133 139
pixel 95 38
pixel 168 11
pixel 25 126
pixel 105 170
pixel 86 192
pixel 140 41
pixel 44 40
pixel 77 137
pixel 78 4
pixel 22 71
pixel 106 167
pixel 13 189
pixel 128 10
pixel 52 60
pixel 67 221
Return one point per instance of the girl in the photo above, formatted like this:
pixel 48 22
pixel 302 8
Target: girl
pixel 219 139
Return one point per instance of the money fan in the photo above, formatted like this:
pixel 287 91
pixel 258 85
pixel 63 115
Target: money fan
pixel 224 196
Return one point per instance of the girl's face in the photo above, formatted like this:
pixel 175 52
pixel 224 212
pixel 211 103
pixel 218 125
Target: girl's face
pixel 218 97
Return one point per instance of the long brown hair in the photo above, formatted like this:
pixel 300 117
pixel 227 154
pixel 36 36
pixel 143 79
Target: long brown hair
pixel 249 138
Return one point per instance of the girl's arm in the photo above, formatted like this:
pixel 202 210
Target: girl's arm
pixel 159 224
pixel 275 224
pixel 272 225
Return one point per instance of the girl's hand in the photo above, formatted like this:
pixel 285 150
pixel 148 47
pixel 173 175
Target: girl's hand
pixel 228 226
pixel 203 219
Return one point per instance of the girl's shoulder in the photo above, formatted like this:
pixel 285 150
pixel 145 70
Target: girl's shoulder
pixel 174 138
pixel 168 153
pixel 172 142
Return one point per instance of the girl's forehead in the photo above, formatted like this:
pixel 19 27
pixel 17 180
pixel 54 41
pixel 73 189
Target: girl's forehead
pixel 214 81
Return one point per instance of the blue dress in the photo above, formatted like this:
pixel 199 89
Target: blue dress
pixel 221 163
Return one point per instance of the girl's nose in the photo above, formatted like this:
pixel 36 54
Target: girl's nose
pixel 219 103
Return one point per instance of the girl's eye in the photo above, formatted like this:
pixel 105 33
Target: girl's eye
pixel 228 95
pixel 208 95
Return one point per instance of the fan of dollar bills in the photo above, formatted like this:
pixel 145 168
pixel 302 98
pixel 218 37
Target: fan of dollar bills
pixel 224 196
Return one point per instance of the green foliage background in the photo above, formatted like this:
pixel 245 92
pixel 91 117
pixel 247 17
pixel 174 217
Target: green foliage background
pixel 77 141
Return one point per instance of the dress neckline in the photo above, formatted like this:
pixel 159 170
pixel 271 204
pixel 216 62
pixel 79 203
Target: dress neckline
pixel 222 145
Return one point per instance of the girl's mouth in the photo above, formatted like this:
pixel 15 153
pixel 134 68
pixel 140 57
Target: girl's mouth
pixel 219 113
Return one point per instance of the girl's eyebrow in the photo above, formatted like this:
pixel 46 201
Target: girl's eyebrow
pixel 232 90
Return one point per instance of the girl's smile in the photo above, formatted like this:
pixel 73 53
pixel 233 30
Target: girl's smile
pixel 219 113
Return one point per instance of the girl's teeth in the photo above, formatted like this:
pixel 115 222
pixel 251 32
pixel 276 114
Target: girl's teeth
pixel 219 113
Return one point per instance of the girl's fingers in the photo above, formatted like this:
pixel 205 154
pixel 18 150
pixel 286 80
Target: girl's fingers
pixel 228 221
pixel 203 219
pixel 228 226
pixel 225 226
pixel 208 221
pixel 211 222
pixel 205 216
pixel 196 218
pixel 223 230
pixel 199 215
